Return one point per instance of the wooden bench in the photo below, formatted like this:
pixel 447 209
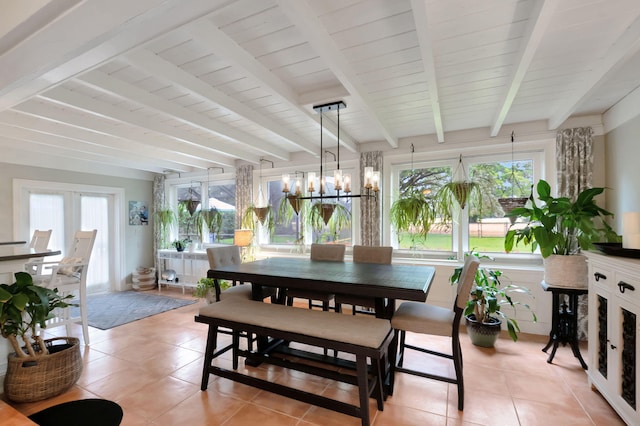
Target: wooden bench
pixel 362 336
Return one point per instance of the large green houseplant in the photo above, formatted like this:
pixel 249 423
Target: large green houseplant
pixel 560 227
pixel 483 312
pixel 53 365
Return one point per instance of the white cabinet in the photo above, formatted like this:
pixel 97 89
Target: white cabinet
pixel 614 306
pixel 189 267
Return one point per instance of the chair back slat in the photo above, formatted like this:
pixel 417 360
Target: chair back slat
pixel 40 240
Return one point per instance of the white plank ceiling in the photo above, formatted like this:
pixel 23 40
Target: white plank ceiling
pixel 187 85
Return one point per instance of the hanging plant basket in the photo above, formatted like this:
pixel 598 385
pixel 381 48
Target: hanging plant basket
pixel 460 191
pixel 327 212
pixel 510 203
pixel 261 213
pixel 191 205
pixel 296 203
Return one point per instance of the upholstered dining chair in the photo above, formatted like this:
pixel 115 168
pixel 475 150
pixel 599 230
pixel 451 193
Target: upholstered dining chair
pixel 365 254
pixel 231 255
pixel 69 276
pixel 39 242
pixel 319 252
pixel 422 318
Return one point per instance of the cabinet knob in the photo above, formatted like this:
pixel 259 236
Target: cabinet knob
pixel 599 275
pixel 613 346
pixel 622 286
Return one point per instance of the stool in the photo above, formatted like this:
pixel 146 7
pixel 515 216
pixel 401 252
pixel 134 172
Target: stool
pixel 94 412
pixel 564 320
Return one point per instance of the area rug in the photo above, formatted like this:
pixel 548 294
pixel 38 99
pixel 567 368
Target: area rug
pixel 105 311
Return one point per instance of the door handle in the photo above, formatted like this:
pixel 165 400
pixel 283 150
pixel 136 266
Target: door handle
pixel 599 275
pixel 622 286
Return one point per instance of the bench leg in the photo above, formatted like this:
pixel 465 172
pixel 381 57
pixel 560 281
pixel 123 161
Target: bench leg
pixel 379 375
pixel 212 337
pixel 236 348
pixel 363 388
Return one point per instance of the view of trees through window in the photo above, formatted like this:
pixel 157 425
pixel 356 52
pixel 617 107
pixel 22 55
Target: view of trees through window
pixel 222 197
pixel 487 224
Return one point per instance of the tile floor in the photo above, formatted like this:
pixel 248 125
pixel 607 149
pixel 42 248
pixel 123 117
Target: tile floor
pixel 152 368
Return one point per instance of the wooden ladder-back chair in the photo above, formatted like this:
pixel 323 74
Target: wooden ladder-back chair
pixel 419 317
pixel 365 254
pixel 69 276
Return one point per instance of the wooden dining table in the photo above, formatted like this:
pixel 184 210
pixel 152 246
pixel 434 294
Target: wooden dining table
pixel 384 283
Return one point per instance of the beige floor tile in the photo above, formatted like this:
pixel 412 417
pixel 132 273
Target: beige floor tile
pixel 153 368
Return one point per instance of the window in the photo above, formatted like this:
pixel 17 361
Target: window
pixel 222 196
pixel 487 224
pixel 481 225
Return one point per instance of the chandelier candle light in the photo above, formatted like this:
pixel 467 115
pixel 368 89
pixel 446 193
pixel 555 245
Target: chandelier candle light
pixel 341 182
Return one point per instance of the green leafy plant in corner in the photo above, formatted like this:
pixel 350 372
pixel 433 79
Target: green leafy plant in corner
pixel 24 307
pixel 205 285
pixel 559 225
pixel 489 295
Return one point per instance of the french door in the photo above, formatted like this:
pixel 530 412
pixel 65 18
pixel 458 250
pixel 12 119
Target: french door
pixel 66 209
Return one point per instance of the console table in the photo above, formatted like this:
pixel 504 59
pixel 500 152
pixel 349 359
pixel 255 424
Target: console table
pixel 564 320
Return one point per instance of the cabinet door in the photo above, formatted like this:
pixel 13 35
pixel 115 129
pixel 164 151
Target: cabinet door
pixel 599 335
pixel 624 353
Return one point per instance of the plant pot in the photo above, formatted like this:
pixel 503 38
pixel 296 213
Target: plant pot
pixel 261 213
pixel 30 379
pixel 510 203
pixel 327 212
pixel 481 333
pixel 566 271
pixel 295 202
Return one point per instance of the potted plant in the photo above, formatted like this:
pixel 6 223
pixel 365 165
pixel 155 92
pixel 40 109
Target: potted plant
pixel 166 219
pixel 180 245
pixel 334 216
pixel 25 307
pixel 208 222
pixel 206 289
pixel 483 312
pixel 458 192
pixel 254 214
pixel 414 214
pixel 561 228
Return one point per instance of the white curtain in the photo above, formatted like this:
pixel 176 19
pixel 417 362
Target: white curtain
pixel 370 234
pixel 574 153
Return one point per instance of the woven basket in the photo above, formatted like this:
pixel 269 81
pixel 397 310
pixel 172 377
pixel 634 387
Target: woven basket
pixel 30 379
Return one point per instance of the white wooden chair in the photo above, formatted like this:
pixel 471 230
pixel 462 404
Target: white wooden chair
pixel 39 242
pixel 69 276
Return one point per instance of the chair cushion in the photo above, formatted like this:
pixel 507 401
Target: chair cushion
pixel 237 291
pixel 423 318
pixel 328 252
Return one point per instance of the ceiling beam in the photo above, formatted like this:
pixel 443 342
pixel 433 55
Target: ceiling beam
pixel 56 146
pixel 537 24
pixel 302 16
pixel 161 68
pixel 204 32
pixel 620 52
pixel 425 41
pixel 106 83
pixel 182 140
pixel 45 118
pixel 87 36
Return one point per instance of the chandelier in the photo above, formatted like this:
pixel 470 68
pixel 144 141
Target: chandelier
pixel 341 182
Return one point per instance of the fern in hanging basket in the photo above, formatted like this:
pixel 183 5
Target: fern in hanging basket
pixel 413 214
pixel 457 193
